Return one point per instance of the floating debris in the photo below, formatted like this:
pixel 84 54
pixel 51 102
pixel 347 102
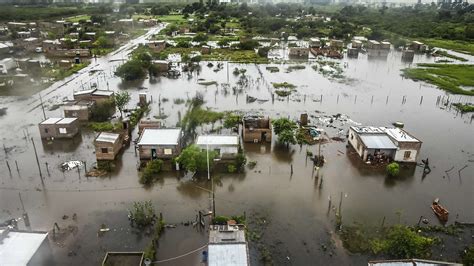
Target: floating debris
pixel 67 166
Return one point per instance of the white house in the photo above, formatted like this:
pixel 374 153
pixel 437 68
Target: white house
pixel 384 144
pixel 226 146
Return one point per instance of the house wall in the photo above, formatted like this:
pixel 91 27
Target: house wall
pixel 412 147
pixel 256 134
pixel 47 131
pixel 82 114
pixel 144 151
pixel 297 51
pixel 225 151
pixel 356 143
pixel 113 149
pixel 43 256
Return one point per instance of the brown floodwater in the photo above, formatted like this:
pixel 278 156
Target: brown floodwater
pixel 298 209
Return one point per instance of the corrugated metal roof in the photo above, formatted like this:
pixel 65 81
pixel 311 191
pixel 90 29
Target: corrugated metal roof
pixel 217 140
pixel 378 142
pixel 160 136
pixel 17 248
pixel 227 254
pixel 107 137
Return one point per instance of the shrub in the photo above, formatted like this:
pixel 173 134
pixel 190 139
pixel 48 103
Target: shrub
pixel 232 120
pixel 393 169
pixel 194 159
pixel 142 213
pixel 151 170
pixel 132 70
pixel 102 111
pixel 231 168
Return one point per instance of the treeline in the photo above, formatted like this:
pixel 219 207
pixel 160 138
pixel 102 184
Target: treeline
pixel 45 12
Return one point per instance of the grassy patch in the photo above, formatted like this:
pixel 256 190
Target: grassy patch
pixel 449 77
pixel 464 108
pixel 273 69
pixel 448 55
pixel 458 46
pixel 105 126
pixel 78 18
pixel 58 73
pixel 282 85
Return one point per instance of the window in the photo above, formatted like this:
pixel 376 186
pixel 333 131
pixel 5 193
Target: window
pixel 104 150
pixel 352 136
pixel 45 130
pixel 62 130
pixel 168 151
pixel 407 155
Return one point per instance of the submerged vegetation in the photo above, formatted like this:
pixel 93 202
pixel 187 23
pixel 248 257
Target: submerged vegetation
pixel 464 108
pixel 449 77
pixel 149 174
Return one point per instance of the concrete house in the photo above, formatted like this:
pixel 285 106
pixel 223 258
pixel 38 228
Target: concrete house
pixel 96 95
pixel 157 46
pixel 24 248
pixel 107 146
pixel 227 245
pixel 227 147
pixel 81 110
pixel 299 52
pixel 59 128
pixel 380 144
pixel 257 128
pixel 159 143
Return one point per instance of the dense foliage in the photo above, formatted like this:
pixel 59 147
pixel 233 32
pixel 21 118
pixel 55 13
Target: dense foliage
pixel 285 129
pixel 142 214
pixel 152 169
pixel 194 159
pixel 393 169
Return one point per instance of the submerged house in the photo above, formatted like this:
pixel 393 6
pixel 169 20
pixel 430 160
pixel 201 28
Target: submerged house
pixel 257 128
pixel 159 143
pixel 301 52
pixel 59 128
pixel 227 147
pixel 107 146
pixel 380 144
pixel 227 245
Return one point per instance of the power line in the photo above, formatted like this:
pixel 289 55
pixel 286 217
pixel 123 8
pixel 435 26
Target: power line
pixel 180 256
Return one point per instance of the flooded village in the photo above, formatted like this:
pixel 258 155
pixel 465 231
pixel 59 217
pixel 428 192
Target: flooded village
pixel 137 139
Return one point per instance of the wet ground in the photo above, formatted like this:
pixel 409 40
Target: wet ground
pixel 298 209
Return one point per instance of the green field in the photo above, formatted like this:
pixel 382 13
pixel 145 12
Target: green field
pixel 449 77
pixel 464 108
pixel 78 18
pixel 458 46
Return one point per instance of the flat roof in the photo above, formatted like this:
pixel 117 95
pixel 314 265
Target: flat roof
pixel 67 120
pixel 160 136
pixel 84 92
pixel 400 135
pixel 369 129
pixel 217 140
pixel 382 142
pixel 17 248
pixel 227 254
pixel 103 93
pixel 226 234
pixel 51 121
pixel 107 137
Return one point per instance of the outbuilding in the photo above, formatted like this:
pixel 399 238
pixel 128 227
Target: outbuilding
pixel 257 128
pixel 107 146
pixel 226 146
pixel 81 110
pixel 59 128
pixel 159 143
pixel 98 96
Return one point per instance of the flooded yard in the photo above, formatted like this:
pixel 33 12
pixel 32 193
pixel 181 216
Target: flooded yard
pixel 297 207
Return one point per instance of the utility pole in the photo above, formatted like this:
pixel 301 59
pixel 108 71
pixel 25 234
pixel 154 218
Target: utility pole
pixel 212 181
pixel 42 106
pixel 37 161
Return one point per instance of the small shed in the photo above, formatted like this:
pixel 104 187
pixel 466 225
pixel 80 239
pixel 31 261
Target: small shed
pixel 257 128
pixel 107 146
pixel 59 128
pixel 161 143
pixel 157 46
pixel 226 146
pixel 148 123
pixel 314 43
pixel 81 110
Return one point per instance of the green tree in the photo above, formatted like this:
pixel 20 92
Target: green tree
pixel 103 42
pixel 393 169
pixel 194 159
pixel 282 124
pixel 132 70
pixel 200 37
pixel 121 100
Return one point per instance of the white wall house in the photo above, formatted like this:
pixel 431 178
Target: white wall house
pixel 227 146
